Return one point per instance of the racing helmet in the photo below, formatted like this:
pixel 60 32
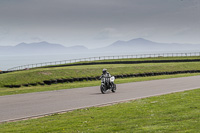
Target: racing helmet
pixel 104 71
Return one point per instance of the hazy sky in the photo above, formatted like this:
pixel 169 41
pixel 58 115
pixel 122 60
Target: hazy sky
pixel 97 23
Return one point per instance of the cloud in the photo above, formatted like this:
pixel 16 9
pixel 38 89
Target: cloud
pixel 3 33
pixel 107 33
pixel 36 39
pixel 83 22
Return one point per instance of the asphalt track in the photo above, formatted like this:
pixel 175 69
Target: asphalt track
pixel 24 106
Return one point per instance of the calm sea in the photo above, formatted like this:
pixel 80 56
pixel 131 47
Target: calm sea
pixel 9 61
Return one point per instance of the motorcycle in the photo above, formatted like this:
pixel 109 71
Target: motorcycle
pixel 107 84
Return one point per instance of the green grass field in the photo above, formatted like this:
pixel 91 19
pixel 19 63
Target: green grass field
pixel 178 112
pixel 134 59
pixel 41 74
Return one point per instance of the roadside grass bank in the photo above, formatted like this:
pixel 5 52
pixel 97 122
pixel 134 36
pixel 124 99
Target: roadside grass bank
pixel 126 59
pixel 40 75
pixel 176 112
pixel 12 91
pixel 123 59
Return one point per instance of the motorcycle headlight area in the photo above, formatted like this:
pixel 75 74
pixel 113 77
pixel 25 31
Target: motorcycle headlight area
pixel 112 79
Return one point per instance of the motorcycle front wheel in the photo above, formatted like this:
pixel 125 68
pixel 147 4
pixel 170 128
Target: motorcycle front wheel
pixel 103 89
pixel 114 88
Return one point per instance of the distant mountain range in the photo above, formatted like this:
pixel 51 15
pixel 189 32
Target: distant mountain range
pixel 134 45
pixel 143 45
pixel 40 48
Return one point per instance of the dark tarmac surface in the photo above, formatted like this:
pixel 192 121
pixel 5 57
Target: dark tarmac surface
pixel 23 106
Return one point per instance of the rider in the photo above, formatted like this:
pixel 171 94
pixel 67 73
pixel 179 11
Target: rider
pixel 104 74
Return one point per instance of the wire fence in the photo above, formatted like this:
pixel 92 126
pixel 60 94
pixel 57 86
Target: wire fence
pixel 28 66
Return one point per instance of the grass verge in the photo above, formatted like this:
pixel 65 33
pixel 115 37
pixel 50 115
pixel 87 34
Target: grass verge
pixel 177 112
pixel 129 59
pixel 12 91
pixel 39 75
